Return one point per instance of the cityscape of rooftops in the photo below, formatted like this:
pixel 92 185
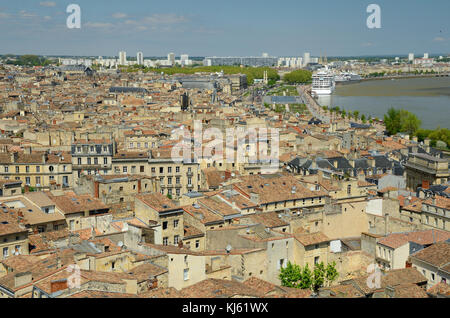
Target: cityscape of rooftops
pixel 248 152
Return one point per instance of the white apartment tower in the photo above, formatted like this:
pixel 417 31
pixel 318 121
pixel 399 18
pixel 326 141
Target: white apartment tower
pixel 140 58
pixel 122 58
pixel 171 58
pixel 306 59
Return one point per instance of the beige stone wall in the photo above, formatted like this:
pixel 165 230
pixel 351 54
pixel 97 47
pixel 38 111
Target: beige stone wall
pixel 178 263
pixel 351 264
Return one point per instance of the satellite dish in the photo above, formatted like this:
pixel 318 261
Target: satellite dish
pixel 120 244
pixel 228 248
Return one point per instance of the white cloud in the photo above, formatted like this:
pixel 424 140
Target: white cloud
pixel 119 15
pixel 165 19
pixel 47 4
pixel 25 14
pixel 368 44
pixel 99 25
pixel 439 39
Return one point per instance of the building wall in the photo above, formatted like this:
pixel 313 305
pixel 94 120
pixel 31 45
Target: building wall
pixel 178 263
pixel 429 271
pixel 10 242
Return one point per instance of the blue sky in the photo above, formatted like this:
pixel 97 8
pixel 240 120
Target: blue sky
pixel 225 27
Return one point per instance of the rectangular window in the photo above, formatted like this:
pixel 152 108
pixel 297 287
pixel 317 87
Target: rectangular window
pixel 6 169
pixel 38 169
pixel 105 161
pixel 186 274
pixel 176 238
pixel 169 170
pixel 164 225
pixel 197 243
pixel 5 252
pixel 175 223
pixel 166 241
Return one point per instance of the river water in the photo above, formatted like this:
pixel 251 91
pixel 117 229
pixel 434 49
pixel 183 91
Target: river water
pixel 428 98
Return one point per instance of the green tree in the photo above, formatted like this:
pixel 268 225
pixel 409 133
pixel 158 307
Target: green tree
pixel 344 113
pixel 392 121
pixel 298 77
pixel 291 275
pixel 400 120
pixel 331 273
pixel 318 278
pixel 409 122
pixel 303 278
pixel 363 118
pixel 307 278
pixel 356 114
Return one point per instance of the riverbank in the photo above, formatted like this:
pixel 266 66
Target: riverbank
pixel 428 98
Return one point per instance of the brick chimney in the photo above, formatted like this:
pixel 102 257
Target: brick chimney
pixel 96 189
pixel 58 285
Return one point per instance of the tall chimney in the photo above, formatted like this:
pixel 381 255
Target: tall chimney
pixel 386 224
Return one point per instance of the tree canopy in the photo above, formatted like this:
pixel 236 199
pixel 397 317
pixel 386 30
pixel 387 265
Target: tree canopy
pixel 298 77
pixel 251 72
pixel 304 278
pixel 30 60
pixel 400 120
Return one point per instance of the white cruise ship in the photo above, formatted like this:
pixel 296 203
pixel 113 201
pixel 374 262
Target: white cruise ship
pixel 323 83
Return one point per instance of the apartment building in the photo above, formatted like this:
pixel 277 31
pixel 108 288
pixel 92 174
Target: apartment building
pixel 423 170
pixel 435 213
pixel 280 193
pixel 130 163
pixel 141 140
pixel 175 178
pixel 41 170
pixel 92 156
pixel 114 189
pixel 165 217
pixel 433 263
pixel 13 234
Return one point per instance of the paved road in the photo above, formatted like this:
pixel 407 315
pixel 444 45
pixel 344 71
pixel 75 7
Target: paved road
pixel 313 107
